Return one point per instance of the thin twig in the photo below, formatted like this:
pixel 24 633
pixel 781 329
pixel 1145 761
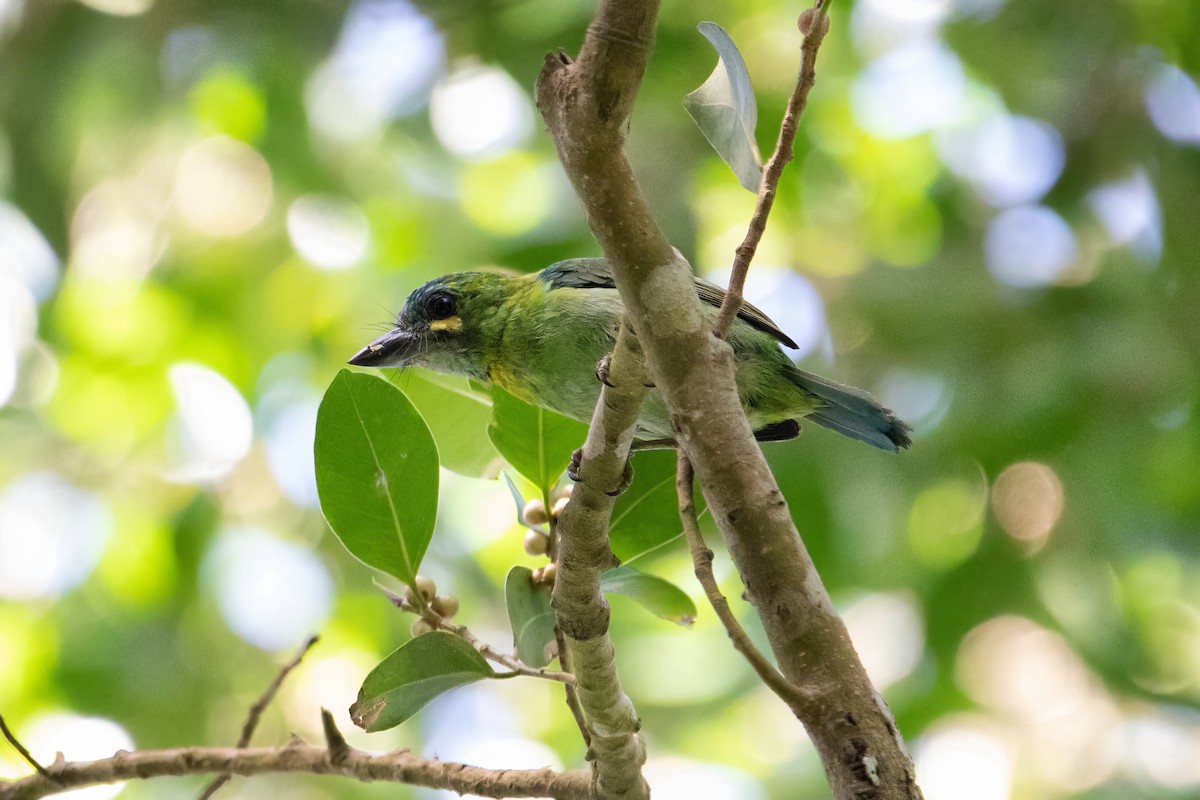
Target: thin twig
pixel 254 716
pixel 770 177
pixel 20 748
pixel 572 693
pixel 702 559
pixel 438 622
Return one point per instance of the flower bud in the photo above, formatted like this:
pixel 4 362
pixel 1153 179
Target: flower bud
pixel 420 627
pixel 426 587
pixel 536 543
pixel 535 513
pixel 446 605
pixel 807 20
pixel 548 573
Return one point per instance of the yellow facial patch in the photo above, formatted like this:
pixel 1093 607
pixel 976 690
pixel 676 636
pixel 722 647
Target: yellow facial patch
pixel 448 324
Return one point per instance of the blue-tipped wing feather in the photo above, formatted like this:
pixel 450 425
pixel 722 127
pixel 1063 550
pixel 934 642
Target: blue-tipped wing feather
pixel 854 413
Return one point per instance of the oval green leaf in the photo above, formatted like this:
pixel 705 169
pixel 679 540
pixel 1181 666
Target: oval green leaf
pixel 646 515
pixel 531 616
pixel 413 675
pixel 377 473
pixel 537 442
pixel 458 415
pixel 726 111
pixel 658 596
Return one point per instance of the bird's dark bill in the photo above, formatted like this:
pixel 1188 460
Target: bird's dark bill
pixel 390 350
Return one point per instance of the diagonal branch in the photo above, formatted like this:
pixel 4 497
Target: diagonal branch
pixel 818 26
pixel 702 559
pixel 256 712
pixel 20 748
pixel 585 106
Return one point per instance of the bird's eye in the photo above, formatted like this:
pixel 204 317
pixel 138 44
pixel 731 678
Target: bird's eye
pixel 440 306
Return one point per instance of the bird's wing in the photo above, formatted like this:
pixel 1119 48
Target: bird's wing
pixel 594 273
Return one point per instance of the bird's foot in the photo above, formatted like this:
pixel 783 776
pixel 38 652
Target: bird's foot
pixel 602 367
pixel 577 460
pixel 602 371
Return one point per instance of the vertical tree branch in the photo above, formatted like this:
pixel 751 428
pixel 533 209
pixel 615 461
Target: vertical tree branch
pixel 611 722
pixel 585 105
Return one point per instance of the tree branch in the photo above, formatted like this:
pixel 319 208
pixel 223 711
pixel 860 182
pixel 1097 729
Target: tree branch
pixel 256 712
pixel 585 106
pixel 779 159
pixel 702 559
pixel 611 722
pixel 20 748
pixel 397 767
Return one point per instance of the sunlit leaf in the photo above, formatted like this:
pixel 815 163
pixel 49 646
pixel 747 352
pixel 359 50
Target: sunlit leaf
pixel 646 515
pixel 377 473
pixel 658 596
pixel 725 109
pixel 531 616
pixel 458 416
pixel 417 672
pixel 538 443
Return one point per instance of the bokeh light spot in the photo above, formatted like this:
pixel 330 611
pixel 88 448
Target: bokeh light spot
pixel 1008 160
pixel 945 524
pixel 226 102
pixel 961 761
pixel 52 535
pixel 508 196
pixel 271 593
pixel 222 187
pixel 78 738
pixel 385 62
pixel 479 112
pixel 1131 215
pixel 889 635
pixel 329 232
pixel 213 426
pixel 1173 103
pixel 25 255
pixel 1029 247
pixel 909 91
pixel 1027 498
pixel 120 8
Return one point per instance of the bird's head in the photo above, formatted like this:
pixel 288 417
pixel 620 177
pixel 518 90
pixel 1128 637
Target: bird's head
pixel 443 326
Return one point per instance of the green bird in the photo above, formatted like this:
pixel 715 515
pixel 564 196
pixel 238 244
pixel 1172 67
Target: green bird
pixel 540 338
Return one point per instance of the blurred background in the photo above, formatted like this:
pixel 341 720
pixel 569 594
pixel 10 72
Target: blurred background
pixel 991 223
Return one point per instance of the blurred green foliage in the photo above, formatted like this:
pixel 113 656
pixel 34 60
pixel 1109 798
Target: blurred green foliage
pixel 991 223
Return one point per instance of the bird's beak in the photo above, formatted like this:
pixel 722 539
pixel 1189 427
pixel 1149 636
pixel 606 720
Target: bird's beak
pixel 390 350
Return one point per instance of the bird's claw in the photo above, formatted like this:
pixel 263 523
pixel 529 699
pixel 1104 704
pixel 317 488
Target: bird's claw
pixel 626 480
pixel 573 466
pixel 602 371
pixel 573 474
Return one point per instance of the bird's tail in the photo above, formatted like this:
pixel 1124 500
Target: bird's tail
pixel 854 413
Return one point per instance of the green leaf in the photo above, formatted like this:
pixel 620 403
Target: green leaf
pixel 413 675
pixel 531 616
pixel 458 415
pixel 377 473
pixel 646 515
pixel 537 442
pixel 658 596
pixel 725 110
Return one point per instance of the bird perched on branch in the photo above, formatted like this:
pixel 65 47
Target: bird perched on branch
pixel 540 336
